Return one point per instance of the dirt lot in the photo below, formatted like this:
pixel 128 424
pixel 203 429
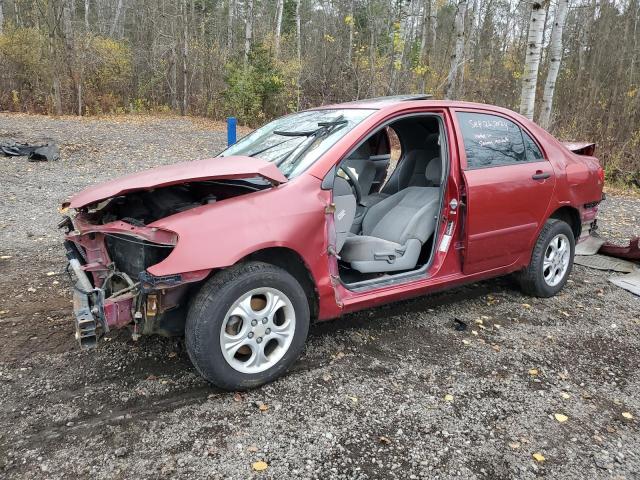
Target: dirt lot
pixel 394 392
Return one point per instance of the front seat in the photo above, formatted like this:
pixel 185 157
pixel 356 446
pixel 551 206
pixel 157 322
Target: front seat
pixel 393 231
pixel 411 170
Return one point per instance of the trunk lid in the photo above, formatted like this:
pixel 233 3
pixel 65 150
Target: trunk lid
pixel 217 168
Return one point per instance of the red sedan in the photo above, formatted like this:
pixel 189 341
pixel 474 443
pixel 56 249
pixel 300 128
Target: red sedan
pixel 321 213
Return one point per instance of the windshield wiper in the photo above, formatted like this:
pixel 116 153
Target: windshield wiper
pixel 258 152
pixel 308 133
pixel 324 129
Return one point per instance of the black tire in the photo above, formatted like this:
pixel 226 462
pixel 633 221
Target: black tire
pixel 208 311
pixel 531 279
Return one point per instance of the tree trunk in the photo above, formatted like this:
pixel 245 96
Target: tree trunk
pixel 279 11
pixel 116 18
pixel 248 31
pixel 532 59
pixel 86 15
pixel 1 18
pixel 555 58
pixel 351 24
pixel 230 14
pixel 425 44
pixel 185 55
pixel 298 49
pixel 457 59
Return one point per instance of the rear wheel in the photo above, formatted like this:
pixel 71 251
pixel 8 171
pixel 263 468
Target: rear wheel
pixel 247 325
pixel 551 260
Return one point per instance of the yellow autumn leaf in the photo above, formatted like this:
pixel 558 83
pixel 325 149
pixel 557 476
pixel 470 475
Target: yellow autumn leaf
pixel 565 395
pixel 560 417
pixel 466 342
pixel 263 407
pixel 259 466
pixel 539 457
pixel 448 397
pixel 627 415
pixel 533 372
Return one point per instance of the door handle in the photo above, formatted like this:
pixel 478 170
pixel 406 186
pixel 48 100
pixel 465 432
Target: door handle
pixel 540 175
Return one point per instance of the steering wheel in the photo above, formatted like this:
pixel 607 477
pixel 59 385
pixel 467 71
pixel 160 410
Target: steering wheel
pixel 353 181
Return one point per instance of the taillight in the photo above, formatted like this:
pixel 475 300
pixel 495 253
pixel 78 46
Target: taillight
pixel 601 174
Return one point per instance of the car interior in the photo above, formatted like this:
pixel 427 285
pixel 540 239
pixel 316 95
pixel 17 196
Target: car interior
pixel 387 193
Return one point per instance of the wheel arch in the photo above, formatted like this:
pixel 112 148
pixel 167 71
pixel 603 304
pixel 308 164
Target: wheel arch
pixel 570 216
pixel 294 264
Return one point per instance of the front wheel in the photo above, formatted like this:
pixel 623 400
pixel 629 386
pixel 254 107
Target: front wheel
pixel 551 260
pixel 247 325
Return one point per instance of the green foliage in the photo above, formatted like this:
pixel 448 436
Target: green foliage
pixel 24 49
pixel 252 92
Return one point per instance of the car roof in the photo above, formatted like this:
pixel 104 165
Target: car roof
pixel 408 101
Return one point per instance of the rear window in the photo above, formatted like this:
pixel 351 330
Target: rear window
pixel 492 141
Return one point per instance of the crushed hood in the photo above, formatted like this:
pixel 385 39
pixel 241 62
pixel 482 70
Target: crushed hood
pixel 195 171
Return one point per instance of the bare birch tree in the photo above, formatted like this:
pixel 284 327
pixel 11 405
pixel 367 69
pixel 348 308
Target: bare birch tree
pixel 1 18
pixel 248 31
pixel 555 58
pixel 231 5
pixel 532 59
pixel 457 58
pixel 116 18
pixel 279 12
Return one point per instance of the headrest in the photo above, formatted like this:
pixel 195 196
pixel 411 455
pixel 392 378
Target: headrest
pixel 433 172
pixel 363 152
pixel 432 139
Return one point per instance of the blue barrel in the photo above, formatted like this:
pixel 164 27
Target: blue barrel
pixel 232 124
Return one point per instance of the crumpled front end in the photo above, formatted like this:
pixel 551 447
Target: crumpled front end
pixel 112 288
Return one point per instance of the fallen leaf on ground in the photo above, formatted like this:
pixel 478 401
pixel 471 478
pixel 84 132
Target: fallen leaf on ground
pixel 172 354
pixel 252 448
pixel 326 377
pixel 5 257
pixel 478 321
pixel 560 417
pixel 384 439
pixel 466 342
pixel 50 274
pixel 259 466
pixel 152 377
pixel 533 372
pixel 339 354
pixel 237 397
pixel 353 399
pixel 526 305
pixel 474 332
pixel 539 457
pixel 515 445
pixel 497 325
pixel 263 407
pixel 627 415
pixel 565 395
pixel 448 397
pixel 496 347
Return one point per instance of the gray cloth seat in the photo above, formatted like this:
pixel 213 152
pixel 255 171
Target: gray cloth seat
pixel 411 169
pixel 393 231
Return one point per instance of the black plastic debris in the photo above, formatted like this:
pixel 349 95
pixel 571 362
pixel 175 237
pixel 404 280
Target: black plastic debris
pixel 35 153
pixel 459 325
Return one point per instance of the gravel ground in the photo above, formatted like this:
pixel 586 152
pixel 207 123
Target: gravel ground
pixel 394 392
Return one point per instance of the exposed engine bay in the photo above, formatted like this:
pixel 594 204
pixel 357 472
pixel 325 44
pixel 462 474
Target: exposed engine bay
pixel 145 207
pixel 110 245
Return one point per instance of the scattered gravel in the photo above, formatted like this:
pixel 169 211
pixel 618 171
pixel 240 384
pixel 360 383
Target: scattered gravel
pixel 393 392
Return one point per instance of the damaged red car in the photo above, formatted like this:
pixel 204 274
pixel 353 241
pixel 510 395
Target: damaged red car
pixel 321 213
